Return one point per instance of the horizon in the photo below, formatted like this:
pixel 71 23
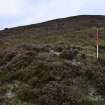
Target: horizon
pixel 47 21
pixel 15 13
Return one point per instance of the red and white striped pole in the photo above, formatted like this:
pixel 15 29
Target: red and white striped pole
pixel 97 43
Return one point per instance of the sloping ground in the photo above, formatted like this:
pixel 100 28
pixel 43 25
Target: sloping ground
pixel 36 75
pixel 53 63
pixel 57 26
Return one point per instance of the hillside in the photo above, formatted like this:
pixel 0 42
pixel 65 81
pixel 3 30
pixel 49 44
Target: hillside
pixel 53 63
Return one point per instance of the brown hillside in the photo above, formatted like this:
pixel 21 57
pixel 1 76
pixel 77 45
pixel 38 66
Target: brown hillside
pixel 59 25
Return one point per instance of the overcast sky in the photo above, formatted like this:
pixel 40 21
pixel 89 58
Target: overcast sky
pixel 22 12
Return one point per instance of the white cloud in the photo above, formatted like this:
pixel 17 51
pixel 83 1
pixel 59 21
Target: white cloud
pixel 93 7
pixel 33 11
pixel 22 12
pixel 8 8
pixel 55 9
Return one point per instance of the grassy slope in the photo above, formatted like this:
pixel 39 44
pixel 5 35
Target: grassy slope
pixel 32 75
pixel 85 38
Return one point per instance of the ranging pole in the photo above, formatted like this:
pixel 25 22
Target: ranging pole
pixel 97 43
